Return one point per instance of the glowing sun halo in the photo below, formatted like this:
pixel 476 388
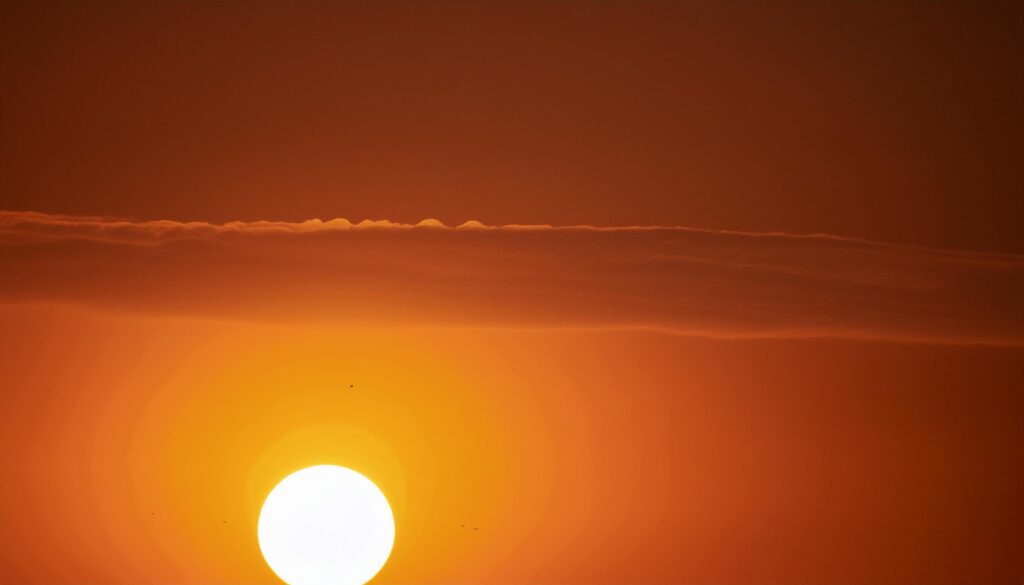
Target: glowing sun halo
pixel 326 525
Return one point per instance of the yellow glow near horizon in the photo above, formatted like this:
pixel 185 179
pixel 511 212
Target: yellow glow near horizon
pixel 326 525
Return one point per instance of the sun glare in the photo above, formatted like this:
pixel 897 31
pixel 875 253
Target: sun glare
pixel 326 525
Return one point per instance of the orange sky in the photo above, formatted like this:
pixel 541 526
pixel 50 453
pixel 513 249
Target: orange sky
pixel 740 299
pixel 584 457
pixel 899 121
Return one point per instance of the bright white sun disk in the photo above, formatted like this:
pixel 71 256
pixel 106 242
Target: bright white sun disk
pixel 326 525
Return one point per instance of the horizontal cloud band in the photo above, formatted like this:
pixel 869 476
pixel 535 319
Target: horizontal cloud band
pixel 673 279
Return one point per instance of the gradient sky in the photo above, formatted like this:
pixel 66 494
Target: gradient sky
pixel 651 292
pixel 899 121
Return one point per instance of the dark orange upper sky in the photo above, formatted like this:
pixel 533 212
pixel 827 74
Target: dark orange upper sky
pixel 898 121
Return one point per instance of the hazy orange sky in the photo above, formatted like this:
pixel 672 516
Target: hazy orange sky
pixel 650 292
pixel 900 121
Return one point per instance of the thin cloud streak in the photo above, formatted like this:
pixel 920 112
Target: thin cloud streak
pixel 55 225
pixel 679 280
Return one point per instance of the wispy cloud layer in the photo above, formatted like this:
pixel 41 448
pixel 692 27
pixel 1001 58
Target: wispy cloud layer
pixel 674 279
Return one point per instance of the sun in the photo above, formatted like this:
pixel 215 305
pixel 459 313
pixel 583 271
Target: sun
pixel 326 525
